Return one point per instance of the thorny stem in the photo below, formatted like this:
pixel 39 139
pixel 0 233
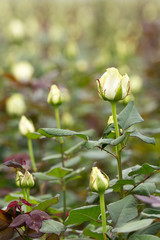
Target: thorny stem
pixel 30 147
pixel 118 147
pixel 63 163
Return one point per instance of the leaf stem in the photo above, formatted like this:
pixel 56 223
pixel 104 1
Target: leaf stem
pixel 103 212
pixel 30 147
pixel 118 147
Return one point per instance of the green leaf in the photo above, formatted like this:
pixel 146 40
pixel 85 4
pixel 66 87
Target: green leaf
pixel 143 237
pixel 83 214
pixel 44 176
pixel 146 139
pixel 121 183
pixel 55 132
pixel 133 226
pixel 151 212
pixel 129 116
pixel 51 226
pixel 123 210
pixel 59 172
pixel 91 231
pixel 144 189
pixel 107 141
pixel 47 203
pixel 34 135
pixel 52 157
pixel 153 229
pixel 74 148
pixel 145 169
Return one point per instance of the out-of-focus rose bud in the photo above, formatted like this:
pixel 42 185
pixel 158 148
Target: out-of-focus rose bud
pixel 99 181
pixel 23 71
pixel 25 126
pixel 27 180
pixel 16 29
pixel 65 95
pixel 129 98
pixel 136 83
pixel 67 120
pixel 112 86
pixel 15 105
pixel 19 177
pixel 54 96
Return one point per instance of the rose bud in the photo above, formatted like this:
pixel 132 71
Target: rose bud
pixel 99 181
pixel 25 126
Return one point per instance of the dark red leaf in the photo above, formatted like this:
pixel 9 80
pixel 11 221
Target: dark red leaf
pixel 34 222
pixel 42 214
pixel 5 219
pixel 33 234
pixel 6 234
pixel 19 221
pixel 11 204
pixel 17 160
pixel 25 202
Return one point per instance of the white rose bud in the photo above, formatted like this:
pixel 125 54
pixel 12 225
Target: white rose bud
pixel 112 86
pixel 25 126
pixel 99 181
pixel 19 177
pixel 54 96
pixel 27 181
pixel 15 105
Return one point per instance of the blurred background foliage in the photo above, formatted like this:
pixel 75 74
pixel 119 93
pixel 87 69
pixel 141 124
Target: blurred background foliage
pixel 71 43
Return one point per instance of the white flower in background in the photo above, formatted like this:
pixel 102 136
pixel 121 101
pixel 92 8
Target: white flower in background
pixel 16 29
pixel 15 105
pixel 65 95
pixel 54 96
pixel 23 71
pixel 99 181
pixel 67 120
pixel 136 83
pixel 112 86
pixel 26 126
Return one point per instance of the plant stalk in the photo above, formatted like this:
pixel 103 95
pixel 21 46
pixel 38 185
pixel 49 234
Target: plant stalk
pixel 63 163
pixel 30 147
pixel 103 212
pixel 118 147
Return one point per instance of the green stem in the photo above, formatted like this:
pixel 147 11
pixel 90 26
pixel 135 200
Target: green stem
pixel 103 212
pixel 24 193
pixel 28 196
pixel 118 147
pixel 58 121
pixel 31 155
pixel 63 163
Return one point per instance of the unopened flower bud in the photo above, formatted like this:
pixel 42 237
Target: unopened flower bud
pixel 54 96
pixel 112 86
pixel 25 126
pixel 15 105
pixel 99 181
pixel 27 180
pixel 19 177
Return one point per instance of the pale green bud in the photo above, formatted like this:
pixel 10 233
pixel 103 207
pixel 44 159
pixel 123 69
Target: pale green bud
pixel 27 181
pixel 112 86
pixel 54 96
pixel 26 126
pixel 15 105
pixel 136 84
pixel 99 181
pixel 19 177
pixel 67 120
